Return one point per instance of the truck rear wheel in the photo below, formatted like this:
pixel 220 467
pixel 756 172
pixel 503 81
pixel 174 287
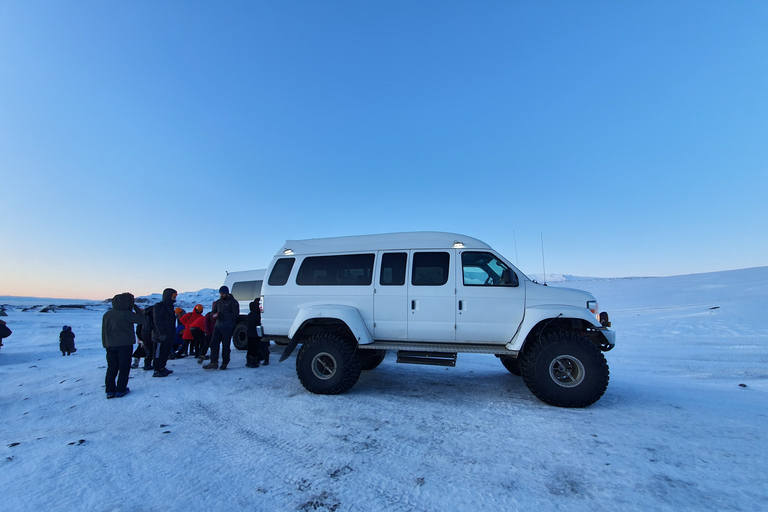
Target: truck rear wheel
pixel 565 369
pixel 327 364
pixel 240 336
pixel 370 359
pixel 512 364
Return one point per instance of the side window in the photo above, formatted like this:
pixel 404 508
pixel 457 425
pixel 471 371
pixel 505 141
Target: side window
pixel 343 270
pixel 281 271
pixel 246 290
pixel 485 269
pixel 430 268
pixel 393 268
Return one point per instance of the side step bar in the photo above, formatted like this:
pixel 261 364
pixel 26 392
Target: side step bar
pixel 430 358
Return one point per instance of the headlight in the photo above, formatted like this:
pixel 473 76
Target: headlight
pixel 592 306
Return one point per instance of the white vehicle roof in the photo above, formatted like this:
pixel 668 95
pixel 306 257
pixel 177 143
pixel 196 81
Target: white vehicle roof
pixel 382 242
pixel 244 275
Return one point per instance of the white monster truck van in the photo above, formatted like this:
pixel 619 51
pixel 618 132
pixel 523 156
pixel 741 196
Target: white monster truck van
pixel 244 286
pixel 429 296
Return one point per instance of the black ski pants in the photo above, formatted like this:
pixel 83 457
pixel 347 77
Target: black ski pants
pixel 118 365
pixel 222 335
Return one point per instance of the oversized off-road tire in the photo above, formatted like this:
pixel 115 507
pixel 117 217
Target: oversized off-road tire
pixel 370 359
pixel 240 336
pixel 565 369
pixel 327 364
pixel 512 364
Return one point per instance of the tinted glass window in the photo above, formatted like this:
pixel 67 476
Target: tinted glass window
pixel 343 270
pixel 246 290
pixel 430 268
pixel 485 269
pixel 281 271
pixel 393 269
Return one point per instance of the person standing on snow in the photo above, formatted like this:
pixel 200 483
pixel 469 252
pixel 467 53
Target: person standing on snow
pixel 146 337
pixel 254 340
pixel 226 310
pixel 164 332
pixel 4 331
pixel 187 320
pixel 118 336
pixel 67 341
pixel 208 324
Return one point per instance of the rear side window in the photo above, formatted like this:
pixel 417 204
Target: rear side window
pixel 342 270
pixel 393 269
pixel 430 268
pixel 246 290
pixel 281 271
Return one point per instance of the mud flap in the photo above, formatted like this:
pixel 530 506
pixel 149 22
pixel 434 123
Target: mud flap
pixel 289 349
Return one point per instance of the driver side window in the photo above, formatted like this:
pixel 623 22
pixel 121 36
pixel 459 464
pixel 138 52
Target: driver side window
pixel 485 269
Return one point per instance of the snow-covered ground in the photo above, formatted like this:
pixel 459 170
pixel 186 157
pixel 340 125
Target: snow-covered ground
pixel 682 426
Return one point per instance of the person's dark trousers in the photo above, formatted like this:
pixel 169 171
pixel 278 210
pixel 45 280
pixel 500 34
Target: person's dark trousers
pixel 222 334
pixel 162 351
pixel 149 348
pixel 254 349
pixel 118 365
pixel 198 341
pixel 264 351
pixel 205 346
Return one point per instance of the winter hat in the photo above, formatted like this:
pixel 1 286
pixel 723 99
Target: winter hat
pixel 199 308
pixel 65 328
pixel 223 289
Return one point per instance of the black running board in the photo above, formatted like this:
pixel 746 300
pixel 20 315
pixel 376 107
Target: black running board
pixel 428 358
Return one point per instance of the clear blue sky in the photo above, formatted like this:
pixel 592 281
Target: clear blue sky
pixel 149 144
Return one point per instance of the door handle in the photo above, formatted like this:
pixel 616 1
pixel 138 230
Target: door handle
pixel 461 305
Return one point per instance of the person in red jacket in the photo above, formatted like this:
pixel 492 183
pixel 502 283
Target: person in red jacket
pixel 187 320
pixel 209 323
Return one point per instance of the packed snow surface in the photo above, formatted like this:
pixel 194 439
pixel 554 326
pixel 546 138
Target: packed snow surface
pixel 682 426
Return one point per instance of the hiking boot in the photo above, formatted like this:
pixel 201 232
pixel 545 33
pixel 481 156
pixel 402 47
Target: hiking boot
pixel 210 366
pixel 251 365
pixel 266 362
pixel 135 363
pixel 200 360
pixel 109 395
pixel 121 394
pixel 223 366
pixel 147 368
pixel 162 372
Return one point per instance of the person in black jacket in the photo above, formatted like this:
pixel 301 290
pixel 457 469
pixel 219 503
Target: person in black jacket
pixel 164 332
pixel 4 331
pixel 254 340
pixel 118 336
pixel 226 310
pixel 67 341
pixel 146 337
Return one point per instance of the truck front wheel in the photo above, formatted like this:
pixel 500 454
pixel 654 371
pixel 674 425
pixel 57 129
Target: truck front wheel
pixel 327 364
pixel 565 369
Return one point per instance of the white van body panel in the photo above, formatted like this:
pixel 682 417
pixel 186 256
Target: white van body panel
pixel 245 286
pixel 347 314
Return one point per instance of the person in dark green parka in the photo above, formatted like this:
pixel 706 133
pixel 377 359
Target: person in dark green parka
pixel 118 335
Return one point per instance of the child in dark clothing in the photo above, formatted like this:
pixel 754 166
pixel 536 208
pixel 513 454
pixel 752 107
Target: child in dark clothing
pixel 67 341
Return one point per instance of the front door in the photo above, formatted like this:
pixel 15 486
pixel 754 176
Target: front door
pixel 490 300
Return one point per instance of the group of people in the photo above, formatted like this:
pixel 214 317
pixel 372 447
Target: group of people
pixel 158 327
